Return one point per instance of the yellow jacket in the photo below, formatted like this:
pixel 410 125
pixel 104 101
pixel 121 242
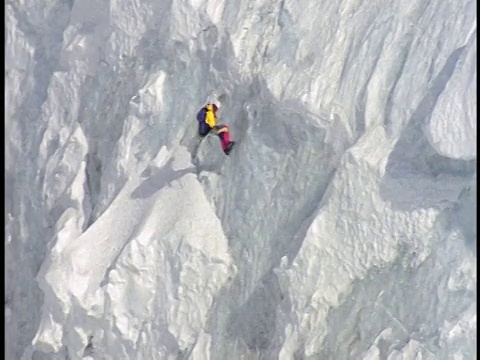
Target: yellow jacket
pixel 211 117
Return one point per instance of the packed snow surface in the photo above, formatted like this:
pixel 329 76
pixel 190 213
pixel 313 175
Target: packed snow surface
pixel 342 225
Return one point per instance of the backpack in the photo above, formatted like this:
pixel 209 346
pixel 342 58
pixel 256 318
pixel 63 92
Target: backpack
pixel 201 115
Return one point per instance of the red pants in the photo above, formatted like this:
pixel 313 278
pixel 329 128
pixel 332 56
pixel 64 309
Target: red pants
pixel 224 136
pixel 224 139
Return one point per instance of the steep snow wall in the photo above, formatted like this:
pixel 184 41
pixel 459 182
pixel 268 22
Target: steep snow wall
pixel 343 225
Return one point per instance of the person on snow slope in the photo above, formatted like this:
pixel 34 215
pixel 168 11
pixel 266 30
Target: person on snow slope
pixel 207 121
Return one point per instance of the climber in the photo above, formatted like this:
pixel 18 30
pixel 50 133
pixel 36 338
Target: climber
pixel 207 121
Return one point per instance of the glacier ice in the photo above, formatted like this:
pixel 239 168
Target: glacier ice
pixel 342 226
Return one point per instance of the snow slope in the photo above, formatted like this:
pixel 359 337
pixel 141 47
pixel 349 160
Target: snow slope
pixel 342 226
